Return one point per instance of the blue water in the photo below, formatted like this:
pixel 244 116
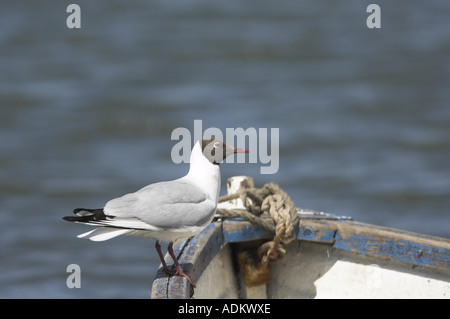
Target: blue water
pixel 87 115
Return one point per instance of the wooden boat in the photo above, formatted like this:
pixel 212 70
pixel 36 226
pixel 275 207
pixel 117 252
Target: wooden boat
pixel 331 257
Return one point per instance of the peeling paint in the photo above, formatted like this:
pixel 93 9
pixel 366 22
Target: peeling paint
pixel 396 249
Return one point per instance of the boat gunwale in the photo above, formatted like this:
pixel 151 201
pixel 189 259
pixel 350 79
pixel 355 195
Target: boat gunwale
pixel 382 242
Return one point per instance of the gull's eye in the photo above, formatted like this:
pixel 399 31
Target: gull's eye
pixel 216 144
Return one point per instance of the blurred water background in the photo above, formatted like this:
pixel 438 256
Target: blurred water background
pixel 87 115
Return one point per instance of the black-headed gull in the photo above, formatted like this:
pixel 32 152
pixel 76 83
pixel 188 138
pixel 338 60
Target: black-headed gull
pixel 165 211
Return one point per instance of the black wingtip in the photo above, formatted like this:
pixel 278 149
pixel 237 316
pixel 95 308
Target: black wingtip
pixel 70 218
pixel 85 215
pixel 87 211
pixel 77 210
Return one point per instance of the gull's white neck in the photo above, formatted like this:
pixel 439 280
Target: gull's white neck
pixel 203 173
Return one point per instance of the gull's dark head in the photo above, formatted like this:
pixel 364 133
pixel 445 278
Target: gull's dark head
pixel 216 150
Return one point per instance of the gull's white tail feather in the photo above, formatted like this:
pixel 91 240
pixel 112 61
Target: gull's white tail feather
pixel 104 233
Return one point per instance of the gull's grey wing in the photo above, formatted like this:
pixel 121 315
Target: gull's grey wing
pixel 165 205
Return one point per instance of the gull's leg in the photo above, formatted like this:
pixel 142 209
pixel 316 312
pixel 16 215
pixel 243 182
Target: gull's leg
pixel 165 268
pixel 179 270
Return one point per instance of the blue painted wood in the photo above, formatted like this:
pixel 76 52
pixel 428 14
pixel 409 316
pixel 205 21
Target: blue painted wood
pixel 235 231
pixel 396 249
pixel 311 233
pixel 194 255
pixel 328 231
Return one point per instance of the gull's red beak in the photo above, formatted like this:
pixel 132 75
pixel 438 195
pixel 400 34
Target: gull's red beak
pixel 241 150
pixel 231 150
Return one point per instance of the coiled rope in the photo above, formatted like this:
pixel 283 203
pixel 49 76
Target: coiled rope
pixel 272 201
